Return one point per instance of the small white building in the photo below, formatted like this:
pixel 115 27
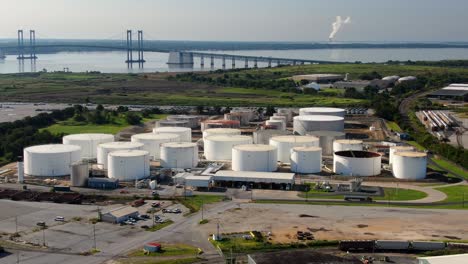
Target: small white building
pixel 254 177
pixel 119 215
pixel 450 259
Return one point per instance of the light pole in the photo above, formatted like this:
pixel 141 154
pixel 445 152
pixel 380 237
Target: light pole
pixel 94 236
pixel 43 236
pixel 202 209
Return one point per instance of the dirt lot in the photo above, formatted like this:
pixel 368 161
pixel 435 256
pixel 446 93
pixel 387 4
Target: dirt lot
pixel 344 222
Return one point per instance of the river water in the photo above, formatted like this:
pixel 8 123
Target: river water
pixel 113 61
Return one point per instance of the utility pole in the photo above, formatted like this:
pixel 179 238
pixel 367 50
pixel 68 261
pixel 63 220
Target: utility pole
pixel 202 209
pixel 94 236
pixel 16 224
pixel 43 236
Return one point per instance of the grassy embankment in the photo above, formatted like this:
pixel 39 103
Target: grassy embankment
pixel 194 203
pixel 390 194
pixel 73 127
pixel 155 89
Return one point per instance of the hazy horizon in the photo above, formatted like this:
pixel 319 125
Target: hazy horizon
pixel 241 20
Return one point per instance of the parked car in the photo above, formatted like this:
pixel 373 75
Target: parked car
pixel 59 219
pixel 155 204
pixel 43 224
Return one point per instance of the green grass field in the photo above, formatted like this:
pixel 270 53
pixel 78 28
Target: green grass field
pixel 72 127
pixel 455 193
pixel 416 145
pixel 451 167
pixel 394 126
pixel 195 202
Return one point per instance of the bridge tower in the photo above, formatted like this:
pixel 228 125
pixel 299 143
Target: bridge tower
pixel 139 50
pixel 31 48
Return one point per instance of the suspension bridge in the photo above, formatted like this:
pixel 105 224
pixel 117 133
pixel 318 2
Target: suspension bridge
pixel 135 53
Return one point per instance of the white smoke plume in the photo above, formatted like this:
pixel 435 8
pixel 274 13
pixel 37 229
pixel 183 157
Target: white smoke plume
pixel 336 26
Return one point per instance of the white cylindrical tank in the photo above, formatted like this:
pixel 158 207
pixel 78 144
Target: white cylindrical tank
pixel 171 123
pixel 219 147
pixel 309 123
pixel 409 165
pixel 152 142
pixel 287 112
pixel 193 121
pixel 278 124
pixel 357 163
pixel 254 158
pixel 281 118
pixel 50 160
pixel 347 144
pixel 284 144
pixel 79 174
pixel 20 168
pixel 322 111
pixel 407 79
pixel 326 140
pixel 179 155
pixel 88 143
pixel 105 148
pixel 245 115
pixel 394 149
pixel 263 136
pixel 221 131
pixel 306 159
pixel 185 133
pixel 128 165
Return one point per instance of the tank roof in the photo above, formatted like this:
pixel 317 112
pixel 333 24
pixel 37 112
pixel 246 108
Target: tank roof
pixel 307 149
pixel 154 136
pixel 349 141
pixel 172 129
pixel 179 145
pixel 411 154
pixel 357 154
pixel 222 130
pixel 295 139
pixel 321 118
pixel 322 109
pixel 255 147
pixel 227 138
pixel 52 148
pixel 402 147
pixel 89 136
pixel 121 144
pixel 326 133
pixel 129 153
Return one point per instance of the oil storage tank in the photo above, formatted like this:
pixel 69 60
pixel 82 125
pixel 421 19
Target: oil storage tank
pixel 277 124
pixel 152 142
pixel 326 140
pixel 207 124
pixel 254 158
pixel 88 143
pixel 193 121
pixel 185 133
pixel 79 174
pixel 50 160
pixel 306 159
pixel 394 149
pixel 221 131
pixel 183 155
pixel 128 165
pixel 172 123
pixel 309 123
pixel 262 136
pixel 284 144
pixel 219 147
pixel 105 148
pixel 347 144
pixel 357 163
pixel 409 165
pixel 331 111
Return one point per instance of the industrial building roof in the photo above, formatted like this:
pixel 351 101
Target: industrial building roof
pixel 122 211
pixel 254 176
pixel 300 257
pixel 450 92
pixel 199 178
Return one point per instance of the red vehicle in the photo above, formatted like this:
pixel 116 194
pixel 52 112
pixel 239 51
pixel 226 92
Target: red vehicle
pixel 138 203
pixel 124 191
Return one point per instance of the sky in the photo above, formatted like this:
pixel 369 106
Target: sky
pixel 238 20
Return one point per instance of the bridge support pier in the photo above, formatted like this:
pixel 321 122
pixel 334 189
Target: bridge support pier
pixel 130 59
pixel 233 63
pixel 255 63
pixel 224 63
pixel 212 62
pixel 269 63
pixel 202 62
pixel 32 45
pixel 246 65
